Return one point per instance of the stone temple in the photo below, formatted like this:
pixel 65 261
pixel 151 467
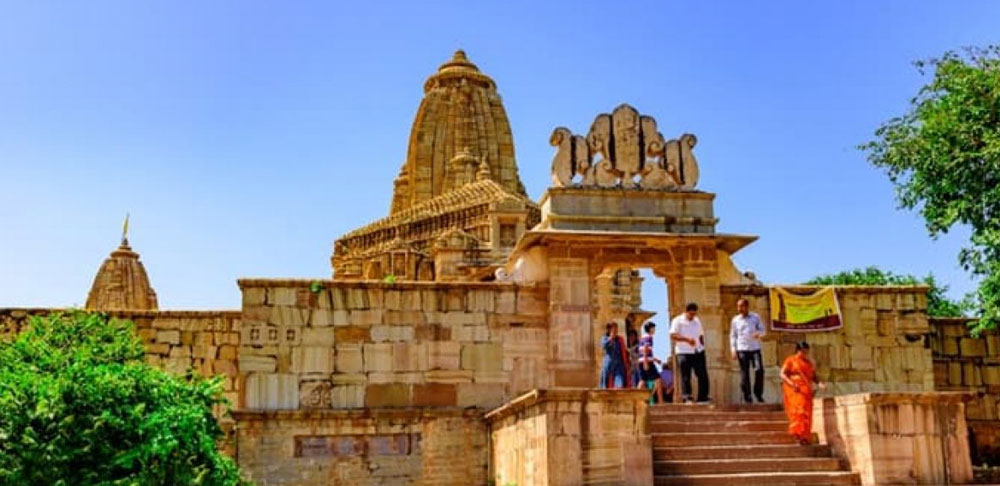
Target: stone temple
pixel 457 342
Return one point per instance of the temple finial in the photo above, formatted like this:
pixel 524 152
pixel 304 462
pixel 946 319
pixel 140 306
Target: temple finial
pixel 125 231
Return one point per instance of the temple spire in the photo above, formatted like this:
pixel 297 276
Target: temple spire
pixel 461 113
pixel 121 283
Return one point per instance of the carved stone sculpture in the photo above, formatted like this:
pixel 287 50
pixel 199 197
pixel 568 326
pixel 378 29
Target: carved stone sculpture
pixel 625 150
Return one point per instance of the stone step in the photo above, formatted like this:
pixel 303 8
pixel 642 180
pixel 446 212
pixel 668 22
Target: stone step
pixel 720 438
pixel 662 425
pixel 839 478
pixel 729 466
pixel 740 452
pixel 710 415
pixel 711 407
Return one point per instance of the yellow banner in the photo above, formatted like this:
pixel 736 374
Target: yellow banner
pixel 818 311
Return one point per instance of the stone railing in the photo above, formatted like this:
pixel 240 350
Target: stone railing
pixel 898 438
pixel 572 436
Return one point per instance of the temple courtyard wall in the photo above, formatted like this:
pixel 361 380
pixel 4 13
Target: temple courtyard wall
pixel 338 382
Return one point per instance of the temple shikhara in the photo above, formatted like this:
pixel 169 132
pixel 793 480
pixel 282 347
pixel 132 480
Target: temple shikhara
pixel 458 341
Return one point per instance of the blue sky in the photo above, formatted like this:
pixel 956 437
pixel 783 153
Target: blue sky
pixel 244 137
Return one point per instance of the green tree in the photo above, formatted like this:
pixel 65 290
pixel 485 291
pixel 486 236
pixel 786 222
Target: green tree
pixel 80 406
pixel 943 156
pixel 938 304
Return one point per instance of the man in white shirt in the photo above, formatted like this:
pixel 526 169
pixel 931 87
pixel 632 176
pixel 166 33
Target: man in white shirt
pixel 745 332
pixel 689 345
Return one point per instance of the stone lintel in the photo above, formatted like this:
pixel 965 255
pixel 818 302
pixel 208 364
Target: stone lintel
pixel 730 243
pixel 628 193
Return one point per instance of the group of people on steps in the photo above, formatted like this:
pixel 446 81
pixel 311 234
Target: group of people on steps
pixel 629 362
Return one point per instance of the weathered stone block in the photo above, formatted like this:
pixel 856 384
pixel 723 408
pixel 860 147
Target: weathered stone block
pixel 444 355
pixel 462 318
pixel 449 376
pixel 378 357
pixel 471 333
pixel 355 298
pixel 506 302
pixel 482 357
pixel 288 316
pixel 312 359
pixel 351 334
pixel 409 300
pixel 250 363
pixel 225 367
pixel 480 301
pixel 434 395
pixel 349 358
pixel 254 296
pixel 347 396
pixel 973 347
pixel 410 357
pixel 322 336
pixel 204 352
pixel 272 391
pixel 168 337
pixel 368 317
pixel 869 321
pixel 479 395
pixel 388 395
pixel 391 333
pixel 321 317
pixel 954 373
pixel 861 358
pixel 158 348
pixel 281 296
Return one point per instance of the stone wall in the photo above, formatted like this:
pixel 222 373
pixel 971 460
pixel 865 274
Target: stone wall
pixel 882 346
pixel 898 438
pixel 390 447
pixel 315 345
pixel 571 436
pixel 971 364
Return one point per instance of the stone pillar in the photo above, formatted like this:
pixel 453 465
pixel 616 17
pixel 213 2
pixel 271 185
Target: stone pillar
pixel 571 332
pixel 700 284
pixel 570 437
pixel 898 438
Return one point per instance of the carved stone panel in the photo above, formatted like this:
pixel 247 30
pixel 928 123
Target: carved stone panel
pixel 623 149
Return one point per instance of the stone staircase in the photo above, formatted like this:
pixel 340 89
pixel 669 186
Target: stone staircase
pixel 740 445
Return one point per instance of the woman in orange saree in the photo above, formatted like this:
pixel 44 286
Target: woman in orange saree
pixel 798 374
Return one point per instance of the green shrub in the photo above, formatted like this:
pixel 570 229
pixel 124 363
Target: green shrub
pixel 80 406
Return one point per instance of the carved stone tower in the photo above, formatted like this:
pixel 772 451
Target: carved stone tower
pixel 458 205
pixel 121 283
pixel 461 115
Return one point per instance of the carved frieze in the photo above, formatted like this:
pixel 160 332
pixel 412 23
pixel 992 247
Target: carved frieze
pixel 623 149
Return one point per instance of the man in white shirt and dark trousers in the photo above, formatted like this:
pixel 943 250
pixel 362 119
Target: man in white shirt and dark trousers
pixel 689 344
pixel 744 343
